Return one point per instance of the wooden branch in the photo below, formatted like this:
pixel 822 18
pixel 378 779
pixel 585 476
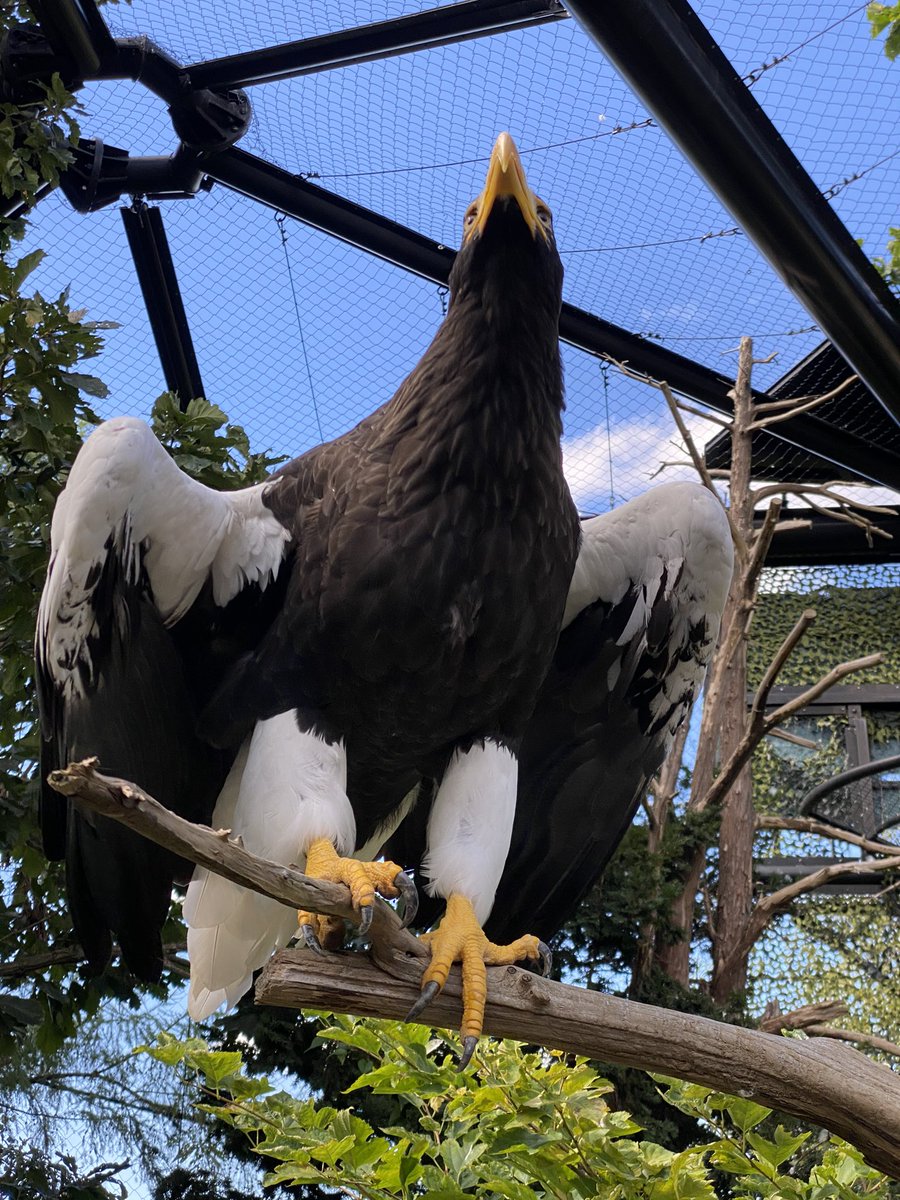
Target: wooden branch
pixel 835 675
pixel 704 416
pixel 782 654
pixel 126 802
pixel 740 544
pixel 777 405
pixel 853 1035
pixel 775 1021
pixel 828 1084
pixel 795 739
pixel 759 724
pixel 794 523
pixel 766 909
pixel 797 405
pixel 762 540
pixel 820 1082
pixel 822 829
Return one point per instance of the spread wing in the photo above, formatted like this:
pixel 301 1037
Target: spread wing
pixel 156 584
pixel 641 623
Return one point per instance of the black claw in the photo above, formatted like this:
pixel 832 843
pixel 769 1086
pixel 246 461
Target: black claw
pixel 429 991
pixel 409 893
pixel 309 936
pixel 468 1049
pixel 365 918
pixel 546 958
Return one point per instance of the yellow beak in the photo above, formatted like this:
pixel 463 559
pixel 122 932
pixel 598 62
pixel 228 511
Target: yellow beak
pixel 506 177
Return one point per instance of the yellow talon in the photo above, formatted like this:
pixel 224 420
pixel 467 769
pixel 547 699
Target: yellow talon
pixel 363 879
pixel 460 938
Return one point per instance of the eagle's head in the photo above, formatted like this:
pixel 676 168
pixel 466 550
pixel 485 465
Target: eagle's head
pixel 508 239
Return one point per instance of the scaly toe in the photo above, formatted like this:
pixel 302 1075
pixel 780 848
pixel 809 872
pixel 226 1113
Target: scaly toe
pixel 363 879
pixel 321 933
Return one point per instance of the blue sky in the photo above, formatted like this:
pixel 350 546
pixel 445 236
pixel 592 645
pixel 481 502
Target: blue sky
pixel 410 137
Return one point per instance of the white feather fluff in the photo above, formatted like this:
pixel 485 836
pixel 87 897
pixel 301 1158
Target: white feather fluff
pixel 470 825
pixel 286 789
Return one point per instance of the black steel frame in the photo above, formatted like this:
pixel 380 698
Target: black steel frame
pixel 670 59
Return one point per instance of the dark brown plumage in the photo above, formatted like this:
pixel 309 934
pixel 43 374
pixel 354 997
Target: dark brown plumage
pixel 434 543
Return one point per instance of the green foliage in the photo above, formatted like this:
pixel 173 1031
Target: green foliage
pixel 35 142
pixel 850 623
pixel 889 264
pixel 517 1124
pixel 886 17
pixel 768 1166
pixel 206 446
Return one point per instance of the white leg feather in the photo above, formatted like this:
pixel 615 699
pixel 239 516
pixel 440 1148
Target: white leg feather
pixel 470 826
pixel 286 789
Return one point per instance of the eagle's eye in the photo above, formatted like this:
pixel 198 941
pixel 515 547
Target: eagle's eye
pixel 544 216
pixel 471 214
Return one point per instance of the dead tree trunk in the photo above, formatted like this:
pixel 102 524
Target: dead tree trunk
pixel 728 734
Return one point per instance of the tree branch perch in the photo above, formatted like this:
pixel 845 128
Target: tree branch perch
pixel 826 1083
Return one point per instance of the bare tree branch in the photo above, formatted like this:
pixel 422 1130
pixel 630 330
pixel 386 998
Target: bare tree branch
pixel 773 670
pixel 835 675
pixel 777 405
pixel 704 416
pixel 770 906
pixel 696 457
pixel 775 1021
pixel 799 404
pixel 854 1035
pixel 794 738
pixel 822 829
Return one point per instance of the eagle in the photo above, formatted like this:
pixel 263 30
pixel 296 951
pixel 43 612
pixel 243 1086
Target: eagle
pixel 404 633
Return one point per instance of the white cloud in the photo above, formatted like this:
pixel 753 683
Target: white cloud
pixel 636 450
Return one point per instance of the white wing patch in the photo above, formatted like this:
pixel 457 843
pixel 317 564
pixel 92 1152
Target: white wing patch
pixel 125 496
pixel 677 527
pixel 672 544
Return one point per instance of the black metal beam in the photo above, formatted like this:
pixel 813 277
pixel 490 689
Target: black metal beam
pixel 670 60
pixel 76 31
pixel 162 296
pixel 346 47
pixel 262 181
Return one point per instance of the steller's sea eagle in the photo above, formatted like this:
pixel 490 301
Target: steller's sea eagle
pixel 292 660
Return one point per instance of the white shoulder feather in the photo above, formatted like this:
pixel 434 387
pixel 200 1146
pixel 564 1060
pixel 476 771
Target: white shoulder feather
pixel 125 496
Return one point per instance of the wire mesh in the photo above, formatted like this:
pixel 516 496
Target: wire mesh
pixel 299 336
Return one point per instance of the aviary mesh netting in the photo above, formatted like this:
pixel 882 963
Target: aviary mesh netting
pixel 298 336
pixel 836 944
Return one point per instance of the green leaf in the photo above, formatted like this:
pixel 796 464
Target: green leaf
pixel 744 1113
pixel 87 383
pixel 26 265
